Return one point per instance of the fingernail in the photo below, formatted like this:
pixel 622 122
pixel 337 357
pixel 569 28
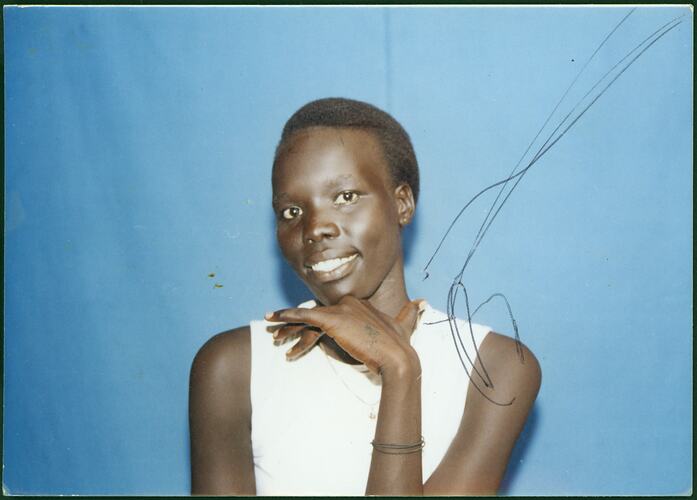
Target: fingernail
pixel 275 334
pixel 268 315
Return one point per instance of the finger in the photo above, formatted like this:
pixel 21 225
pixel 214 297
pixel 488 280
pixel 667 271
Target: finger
pixel 277 326
pixel 289 332
pixel 323 318
pixel 308 339
pixel 283 332
pixel 409 315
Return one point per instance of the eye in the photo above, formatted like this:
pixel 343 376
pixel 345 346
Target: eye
pixel 291 212
pixel 346 198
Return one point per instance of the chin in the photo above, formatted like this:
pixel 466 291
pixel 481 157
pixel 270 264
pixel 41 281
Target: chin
pixel 332 293
pixel 354 284
pixel 332 297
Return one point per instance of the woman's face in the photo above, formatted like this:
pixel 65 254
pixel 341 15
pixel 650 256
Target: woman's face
pixel 338 214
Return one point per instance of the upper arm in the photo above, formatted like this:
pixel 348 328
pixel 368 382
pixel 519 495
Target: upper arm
pixel 476 460
pixel 220 416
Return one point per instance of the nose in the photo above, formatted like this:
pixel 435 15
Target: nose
pixel 318 227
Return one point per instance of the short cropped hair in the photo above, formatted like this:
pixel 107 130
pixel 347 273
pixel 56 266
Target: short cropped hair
pixel 339 112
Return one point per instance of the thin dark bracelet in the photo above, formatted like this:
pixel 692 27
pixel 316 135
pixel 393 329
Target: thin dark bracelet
pixel 399 449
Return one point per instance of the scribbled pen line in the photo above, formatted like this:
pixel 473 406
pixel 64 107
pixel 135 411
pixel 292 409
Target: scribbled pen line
pixel 568 121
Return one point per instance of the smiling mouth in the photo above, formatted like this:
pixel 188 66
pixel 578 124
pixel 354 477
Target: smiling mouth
pixel 333 269
pixel 329 265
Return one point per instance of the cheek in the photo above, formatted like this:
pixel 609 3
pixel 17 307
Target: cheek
pixel 287 244
pixel 379 233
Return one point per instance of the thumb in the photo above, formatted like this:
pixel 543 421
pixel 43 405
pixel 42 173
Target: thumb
pixel 409 315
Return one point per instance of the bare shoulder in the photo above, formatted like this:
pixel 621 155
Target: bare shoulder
pixel 220 371
pixel 502 390
pixel 224 352
pixel 220 416
pixel 512 366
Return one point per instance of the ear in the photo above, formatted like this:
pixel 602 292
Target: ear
pixel 404 198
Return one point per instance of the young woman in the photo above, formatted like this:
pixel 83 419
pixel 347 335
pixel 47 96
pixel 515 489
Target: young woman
pixel 376 400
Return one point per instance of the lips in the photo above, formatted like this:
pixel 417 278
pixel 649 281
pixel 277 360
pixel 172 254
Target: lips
pixel 330 268
pixel 328 265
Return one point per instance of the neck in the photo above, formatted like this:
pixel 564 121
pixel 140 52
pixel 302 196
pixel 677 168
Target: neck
pixel 391 296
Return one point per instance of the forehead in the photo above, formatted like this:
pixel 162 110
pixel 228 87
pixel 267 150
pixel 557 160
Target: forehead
pixel 318 155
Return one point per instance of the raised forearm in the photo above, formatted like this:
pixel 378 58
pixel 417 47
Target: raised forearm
pixel 381 342
pixel 399 422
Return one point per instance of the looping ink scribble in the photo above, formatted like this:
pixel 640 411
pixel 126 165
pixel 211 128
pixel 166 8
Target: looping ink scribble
pixel 567 122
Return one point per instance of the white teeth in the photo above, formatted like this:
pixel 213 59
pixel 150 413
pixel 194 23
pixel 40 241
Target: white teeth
pixel 329 265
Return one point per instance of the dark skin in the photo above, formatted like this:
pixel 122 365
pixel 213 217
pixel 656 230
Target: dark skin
pixel 335 199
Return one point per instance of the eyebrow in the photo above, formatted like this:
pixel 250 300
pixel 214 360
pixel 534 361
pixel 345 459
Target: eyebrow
pixel 338 181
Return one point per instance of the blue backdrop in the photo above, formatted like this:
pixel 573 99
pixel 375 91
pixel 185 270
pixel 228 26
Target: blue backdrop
pixel 138 221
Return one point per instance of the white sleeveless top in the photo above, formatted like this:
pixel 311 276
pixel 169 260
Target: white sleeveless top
pixel 313 419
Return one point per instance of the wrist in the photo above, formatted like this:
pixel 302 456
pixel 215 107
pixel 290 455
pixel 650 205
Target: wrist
pixel 402 369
